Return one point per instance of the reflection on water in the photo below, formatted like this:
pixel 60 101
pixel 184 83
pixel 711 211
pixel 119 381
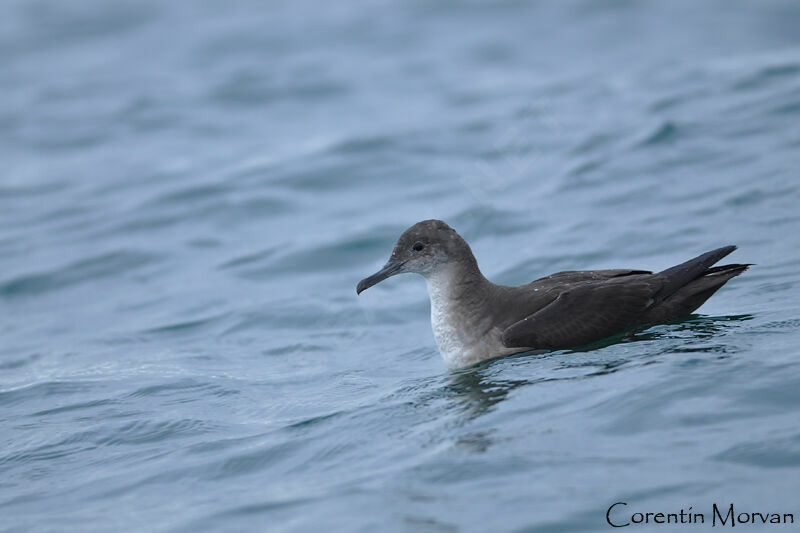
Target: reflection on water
pixel 477 393
pixel 479 389
pixel 698 326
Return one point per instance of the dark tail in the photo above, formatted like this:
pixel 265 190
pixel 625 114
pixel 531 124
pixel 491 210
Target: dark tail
pixel 690 284
pixel 680 275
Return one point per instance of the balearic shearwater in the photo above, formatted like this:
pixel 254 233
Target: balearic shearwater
pixel 474 319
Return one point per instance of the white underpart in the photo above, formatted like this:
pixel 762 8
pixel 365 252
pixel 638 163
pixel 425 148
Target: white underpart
pixel 443 322
pixel 460 335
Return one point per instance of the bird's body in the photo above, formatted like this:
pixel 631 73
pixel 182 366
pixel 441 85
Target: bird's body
pixel 474 319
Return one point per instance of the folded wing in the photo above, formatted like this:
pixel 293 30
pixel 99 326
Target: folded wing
pixel 585 313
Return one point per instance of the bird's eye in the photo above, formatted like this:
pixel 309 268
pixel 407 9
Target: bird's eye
pixel 418 246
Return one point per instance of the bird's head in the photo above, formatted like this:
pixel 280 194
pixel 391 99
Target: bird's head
pixel 424 248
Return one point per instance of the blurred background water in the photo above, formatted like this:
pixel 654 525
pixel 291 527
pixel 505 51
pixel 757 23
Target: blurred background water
pixel 190 191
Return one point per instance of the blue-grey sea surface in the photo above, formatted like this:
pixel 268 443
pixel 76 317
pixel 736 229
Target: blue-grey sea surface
pixel 190 191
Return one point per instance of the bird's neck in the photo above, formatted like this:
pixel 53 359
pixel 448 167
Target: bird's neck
pixel 458 299
pixel 460 282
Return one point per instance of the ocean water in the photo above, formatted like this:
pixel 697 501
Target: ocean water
pixel 190 191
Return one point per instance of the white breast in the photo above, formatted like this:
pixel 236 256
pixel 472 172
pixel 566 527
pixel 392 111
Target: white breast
pixel 444 326
pixel 459 335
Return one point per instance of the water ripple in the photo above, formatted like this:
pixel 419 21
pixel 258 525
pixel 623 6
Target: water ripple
pixel 190 192
pixel 105 265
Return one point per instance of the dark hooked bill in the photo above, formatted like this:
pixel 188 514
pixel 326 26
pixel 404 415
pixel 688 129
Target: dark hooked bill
pixel 389 269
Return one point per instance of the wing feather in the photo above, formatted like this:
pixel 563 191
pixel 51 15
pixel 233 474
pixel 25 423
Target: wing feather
pixel 583 314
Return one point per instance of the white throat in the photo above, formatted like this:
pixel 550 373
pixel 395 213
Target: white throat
pixel 444 320
pixel 464 333
pixel 457 329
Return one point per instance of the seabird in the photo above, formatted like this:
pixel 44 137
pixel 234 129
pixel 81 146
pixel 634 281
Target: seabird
pixel 474 319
